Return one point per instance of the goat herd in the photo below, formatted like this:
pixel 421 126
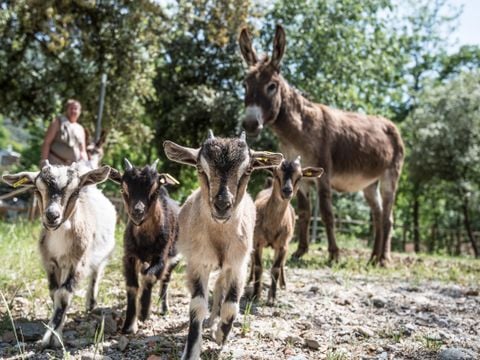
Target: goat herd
pixel 219 224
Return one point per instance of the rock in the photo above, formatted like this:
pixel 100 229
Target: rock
pixel 297 357
pixel 342 301
pixel 456 354
pixel 79 343
pixel 293 339
pixel 364 331
pixel 31 330
pixel 110 325
pixel 93 356
pixel 472 292
pixel 379 302
pixel 70 334
pixel 312 344
pixel 8 337
pixel 409 329
pixel 122 343
pixel 154 357
pixel 314 289
pixel 453 291
pixel 383 356
pixel 442 323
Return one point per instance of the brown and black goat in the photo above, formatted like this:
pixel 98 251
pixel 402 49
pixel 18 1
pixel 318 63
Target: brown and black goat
pixel 276 222
pixel 150 237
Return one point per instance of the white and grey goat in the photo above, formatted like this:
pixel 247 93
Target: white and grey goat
pixel 77 236
pixel 216 229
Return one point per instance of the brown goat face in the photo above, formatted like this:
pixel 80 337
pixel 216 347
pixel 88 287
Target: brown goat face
pixel 140 189
pixel 58 189
pixel 288 176
pixel 263 83
pixel 224 167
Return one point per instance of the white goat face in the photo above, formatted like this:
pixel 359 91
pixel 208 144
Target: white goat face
pixel 224 167
pixel 58 189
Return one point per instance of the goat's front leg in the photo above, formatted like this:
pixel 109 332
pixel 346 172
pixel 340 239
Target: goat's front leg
pixel 235 280
pixel 257 266
pixel 197 280
pixel 149 278
pixel 218 294
pixel 276 273
pixel 61 300
pixel 131 277
pixel 52 278
pixel 92 292
pixel 164 284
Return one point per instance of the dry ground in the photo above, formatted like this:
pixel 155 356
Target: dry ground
pixel 413 310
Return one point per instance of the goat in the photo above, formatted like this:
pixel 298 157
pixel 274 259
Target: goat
pixel 358 152
pixel 150 237
pixel 216 229
pixel 77 236
pixel 276 222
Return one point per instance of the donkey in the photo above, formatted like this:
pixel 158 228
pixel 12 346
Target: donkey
pixel 358 152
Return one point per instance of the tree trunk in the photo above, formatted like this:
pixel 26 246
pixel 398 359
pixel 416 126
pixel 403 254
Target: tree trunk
pixel 416 226
pixel 466 221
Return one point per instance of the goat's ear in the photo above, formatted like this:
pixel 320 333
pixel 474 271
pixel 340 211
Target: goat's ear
pixel 278 46
pixel 102 139
pixel 246 47
pixel 95 176
pixel 265 159
pixel 167 179
pixel 312 172
pixel 21 179
pixel 115 176
pixel 181 154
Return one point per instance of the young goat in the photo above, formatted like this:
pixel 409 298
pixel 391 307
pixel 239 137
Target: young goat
pixel 276 222
pixel 150 237
pixel 77 236
pixel 216 229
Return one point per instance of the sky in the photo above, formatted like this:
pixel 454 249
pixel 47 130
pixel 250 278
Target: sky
pixel 468 32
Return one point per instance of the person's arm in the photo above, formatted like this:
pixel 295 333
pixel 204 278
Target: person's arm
pixel 83 146
pixel 47 141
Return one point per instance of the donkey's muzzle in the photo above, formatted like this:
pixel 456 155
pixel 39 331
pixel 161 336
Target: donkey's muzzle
pixel 251 126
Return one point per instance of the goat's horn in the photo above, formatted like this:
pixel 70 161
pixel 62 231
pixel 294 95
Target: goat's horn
pixel 243 136
pixel 46 163
pixel 154 165
pixel 127 164
pixel 297 160
pixel 210 134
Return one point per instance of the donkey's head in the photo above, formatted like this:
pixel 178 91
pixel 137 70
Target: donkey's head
pixel 140 188
pixel 57 189
pixel 263 83
pixel 287 176
pixel 224 167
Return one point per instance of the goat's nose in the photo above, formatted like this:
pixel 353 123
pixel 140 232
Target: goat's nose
pixel 222 205
pixel 52 215
pixel 287 191
pixel 139 208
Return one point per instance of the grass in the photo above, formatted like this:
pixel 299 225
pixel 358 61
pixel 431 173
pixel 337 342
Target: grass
pixel 246 323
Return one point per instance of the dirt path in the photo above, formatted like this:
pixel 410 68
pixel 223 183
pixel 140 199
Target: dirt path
pixel 324 314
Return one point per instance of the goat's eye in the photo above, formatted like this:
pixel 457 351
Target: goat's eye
pixel 271 88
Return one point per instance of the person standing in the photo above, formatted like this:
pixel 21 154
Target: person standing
pixel 64 141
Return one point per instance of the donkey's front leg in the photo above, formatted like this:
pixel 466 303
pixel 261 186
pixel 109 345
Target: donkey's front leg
pixel 61 300
pixel 197 279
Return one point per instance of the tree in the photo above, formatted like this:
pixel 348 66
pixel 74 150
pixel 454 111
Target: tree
pixel 447 123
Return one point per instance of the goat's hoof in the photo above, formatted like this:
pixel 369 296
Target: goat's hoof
pixel 208 323
pixel 270 302
pixel 333 256
pixel 132 329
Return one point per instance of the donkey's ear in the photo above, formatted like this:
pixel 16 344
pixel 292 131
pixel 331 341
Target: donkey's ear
pixel 246 47
pixel 181 154
pixel 115 176
pixel 278 46
pixel 167 179
pixel 21 179
pixel 265 159
pixel 95 176
pixel 312 172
